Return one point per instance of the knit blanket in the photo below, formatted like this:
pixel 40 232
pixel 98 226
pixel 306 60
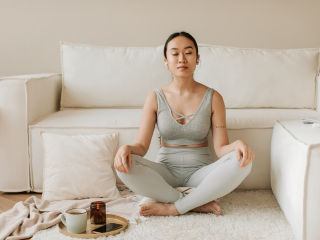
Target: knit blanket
pixel 34 214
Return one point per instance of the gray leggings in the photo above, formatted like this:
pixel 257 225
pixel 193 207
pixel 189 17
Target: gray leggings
pixel 185 167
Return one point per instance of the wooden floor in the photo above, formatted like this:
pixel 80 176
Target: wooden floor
pixel 8 200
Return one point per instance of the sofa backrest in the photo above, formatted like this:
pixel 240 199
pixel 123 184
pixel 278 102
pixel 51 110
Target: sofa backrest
pixel 122 77
pixel 110 77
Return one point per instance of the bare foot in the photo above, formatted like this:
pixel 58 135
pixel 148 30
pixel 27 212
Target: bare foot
pixel 157 209
pixel 212 206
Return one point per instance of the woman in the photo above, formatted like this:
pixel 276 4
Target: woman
pixel 184 112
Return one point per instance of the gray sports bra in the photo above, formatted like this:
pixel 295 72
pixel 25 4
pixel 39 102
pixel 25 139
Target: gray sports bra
pixel 195 131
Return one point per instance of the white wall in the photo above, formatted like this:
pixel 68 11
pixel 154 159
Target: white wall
pixel 30 30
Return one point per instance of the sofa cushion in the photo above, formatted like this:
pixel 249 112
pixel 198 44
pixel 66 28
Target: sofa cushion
pixel 257 78
pixel 114 77
pixel 253 126
pixel 131 118
pixel 102 76
pixel 78 167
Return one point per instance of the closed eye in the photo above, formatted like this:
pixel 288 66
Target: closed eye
pixel 177 54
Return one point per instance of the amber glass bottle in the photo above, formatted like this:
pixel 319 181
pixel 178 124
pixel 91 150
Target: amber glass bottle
pixel 98 212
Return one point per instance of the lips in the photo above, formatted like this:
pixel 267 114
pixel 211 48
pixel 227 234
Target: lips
pixel 182 67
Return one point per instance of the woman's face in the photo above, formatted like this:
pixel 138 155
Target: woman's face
pixel 181 52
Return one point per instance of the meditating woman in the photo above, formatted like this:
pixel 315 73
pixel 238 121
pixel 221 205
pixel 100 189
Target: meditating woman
pixel 184 111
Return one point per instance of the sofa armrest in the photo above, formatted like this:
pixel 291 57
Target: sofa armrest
pixel 23 100
pixel 295 180
pixel 43 96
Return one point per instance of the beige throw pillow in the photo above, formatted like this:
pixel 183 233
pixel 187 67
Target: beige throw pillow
pixel 78 167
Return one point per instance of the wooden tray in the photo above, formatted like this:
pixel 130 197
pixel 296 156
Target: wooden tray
pixel 88 234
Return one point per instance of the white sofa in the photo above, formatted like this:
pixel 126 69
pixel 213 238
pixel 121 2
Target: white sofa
pixel 295 180
pixel 103 89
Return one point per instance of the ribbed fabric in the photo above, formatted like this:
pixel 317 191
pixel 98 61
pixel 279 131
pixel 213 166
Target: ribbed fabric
pixel 195 131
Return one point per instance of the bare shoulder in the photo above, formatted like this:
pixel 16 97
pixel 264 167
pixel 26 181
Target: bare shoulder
pixel 202 88
pixel 217 102
pixel 151 102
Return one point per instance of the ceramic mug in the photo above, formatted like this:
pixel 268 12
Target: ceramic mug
pixel 75 220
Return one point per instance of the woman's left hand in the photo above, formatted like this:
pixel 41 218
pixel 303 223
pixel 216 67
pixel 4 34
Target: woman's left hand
pixel 243 149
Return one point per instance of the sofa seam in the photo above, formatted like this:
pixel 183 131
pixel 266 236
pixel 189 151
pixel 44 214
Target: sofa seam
pixel 314 145
pixel 27 130
pixel 29 79
pixel 38 120
pixel 89 127
pixel 73 127
pixel 115 107
pixel 316 83
pixel 141 108
pixel 44 166
pixel 303 143
pixel 111 47
pixel 305 186
pixel 261 49
pixel 17 78
pixel 30 160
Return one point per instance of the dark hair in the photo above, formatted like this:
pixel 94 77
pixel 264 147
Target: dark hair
pixel 172 36
pixel 176 34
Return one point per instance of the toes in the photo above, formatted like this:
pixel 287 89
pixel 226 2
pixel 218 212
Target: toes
pixel 144 210
pixel 216 208
pixel 145 213
pixel 143 207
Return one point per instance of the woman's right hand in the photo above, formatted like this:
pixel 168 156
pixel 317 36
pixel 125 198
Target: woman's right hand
pixel 120 160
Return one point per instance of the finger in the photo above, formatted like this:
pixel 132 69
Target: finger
pixel 251 156
pixel 244 159
pixel 248 157
pixel 124 164
pixel 130 160
pixel 238 155
pixel 120 168
pixel 116 166
pixel 119 165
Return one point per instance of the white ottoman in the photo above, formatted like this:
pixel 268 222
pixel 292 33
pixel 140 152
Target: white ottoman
pixel 295 175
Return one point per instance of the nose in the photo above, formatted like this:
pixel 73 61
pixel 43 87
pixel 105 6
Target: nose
pixel 182 58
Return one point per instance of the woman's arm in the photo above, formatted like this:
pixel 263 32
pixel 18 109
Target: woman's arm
pixel 219 128
pixel 148 120
pixel 220 135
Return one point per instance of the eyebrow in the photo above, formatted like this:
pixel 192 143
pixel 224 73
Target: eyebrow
pixel 184 48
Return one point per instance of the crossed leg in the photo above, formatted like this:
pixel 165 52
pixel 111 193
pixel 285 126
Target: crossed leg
pixel 151 179
pixel 213 181
pixel 154 180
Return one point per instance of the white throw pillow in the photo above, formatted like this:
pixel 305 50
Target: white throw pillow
pixel 78 167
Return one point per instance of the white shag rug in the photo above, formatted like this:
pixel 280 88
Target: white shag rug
pixel 245 215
